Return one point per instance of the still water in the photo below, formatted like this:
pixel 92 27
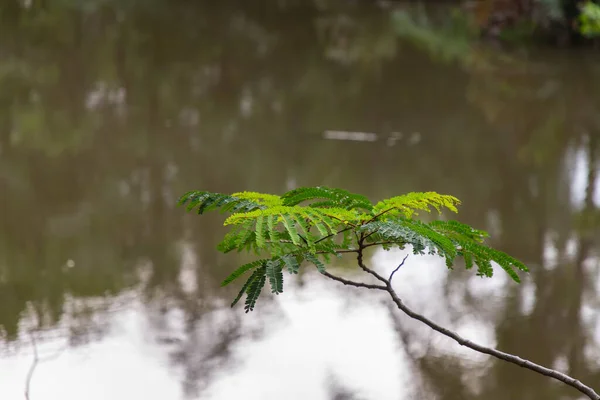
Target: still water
pixel 110 110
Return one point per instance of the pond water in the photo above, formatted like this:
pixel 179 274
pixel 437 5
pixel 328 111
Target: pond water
pixel 111 110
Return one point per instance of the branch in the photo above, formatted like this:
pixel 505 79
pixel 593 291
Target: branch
pixel 574 383
pixel 332 234
pixel 379 215
pixel 362 265
pixel 352 283
pixel 378 243
pixel 396 270
pixel 339 251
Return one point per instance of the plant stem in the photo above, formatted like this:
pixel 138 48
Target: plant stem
pixel 574 383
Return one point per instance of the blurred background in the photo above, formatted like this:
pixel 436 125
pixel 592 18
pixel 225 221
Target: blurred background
pixel 109 110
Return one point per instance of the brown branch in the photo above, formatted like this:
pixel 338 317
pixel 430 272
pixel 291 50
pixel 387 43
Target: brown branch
pixel 362 265
pixel 332 234
pixel 352 283
pixel 380 214
pixel 397 268
pixel 339 251
pixel 377 244
pixel 568 380
pixel 574 383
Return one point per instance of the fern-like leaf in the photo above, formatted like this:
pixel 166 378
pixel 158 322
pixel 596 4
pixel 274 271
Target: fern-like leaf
pixel 242 270
pixel 420 236
pixel 469 241
pixel 207 201
pixel 295 223
pixel 255 275
pixel 291 228
pixel 315 260
pixel 260 239
pixel 273 271
pixel 291 262
pixel 455 229
pixel 269 200
pixel 410 203
pixel 255 287
pixel 312 224
pixel 483 255
pixel 333 198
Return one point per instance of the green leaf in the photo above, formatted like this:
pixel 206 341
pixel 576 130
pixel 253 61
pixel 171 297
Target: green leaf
pixel 206 201
pixel 254 288
pixel 283 227
pixel 275 276
pixel 291 262
pixel 289 226
pixel 409 203
pixel 271 228
pixel 313 259
pixel 242 270
pixel 260 239
pixel 243 290
pixel 333 198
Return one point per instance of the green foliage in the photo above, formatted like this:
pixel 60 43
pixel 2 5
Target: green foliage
pixel 589 19
pixel 206 201
pixel 329 198
pixel 312 224
pixel 409 203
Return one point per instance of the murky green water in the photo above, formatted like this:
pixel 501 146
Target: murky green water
pixel 110 110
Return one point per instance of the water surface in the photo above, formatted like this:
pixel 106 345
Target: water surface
pixel 109 112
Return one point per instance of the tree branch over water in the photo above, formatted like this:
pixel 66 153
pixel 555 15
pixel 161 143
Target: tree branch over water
pixel 527 364
pixel 278 223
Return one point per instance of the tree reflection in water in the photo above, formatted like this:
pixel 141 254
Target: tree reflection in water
pixel 108 112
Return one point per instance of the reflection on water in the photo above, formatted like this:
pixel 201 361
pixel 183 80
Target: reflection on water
pixel 109 111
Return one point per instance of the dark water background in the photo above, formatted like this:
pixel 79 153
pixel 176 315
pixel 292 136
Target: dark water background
pixel 110 110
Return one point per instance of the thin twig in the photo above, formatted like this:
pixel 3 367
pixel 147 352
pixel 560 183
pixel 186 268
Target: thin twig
pixel 352 283
pixel 338 251
pixel 332 234
pixel 574 383
pixel 397 268
pixel 362 265
pixel 378 244
pixel 379 215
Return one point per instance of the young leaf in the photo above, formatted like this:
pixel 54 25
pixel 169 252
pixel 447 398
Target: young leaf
pixel 289 226
pixel 260 239
pixel 409 203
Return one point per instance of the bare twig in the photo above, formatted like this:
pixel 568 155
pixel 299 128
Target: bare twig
pixel 338 251
pixel 352 283
pixel 568 380
pixel 379 215
pixel 362 265
pixel 332 234
pixel 378 243
pixel 397 268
